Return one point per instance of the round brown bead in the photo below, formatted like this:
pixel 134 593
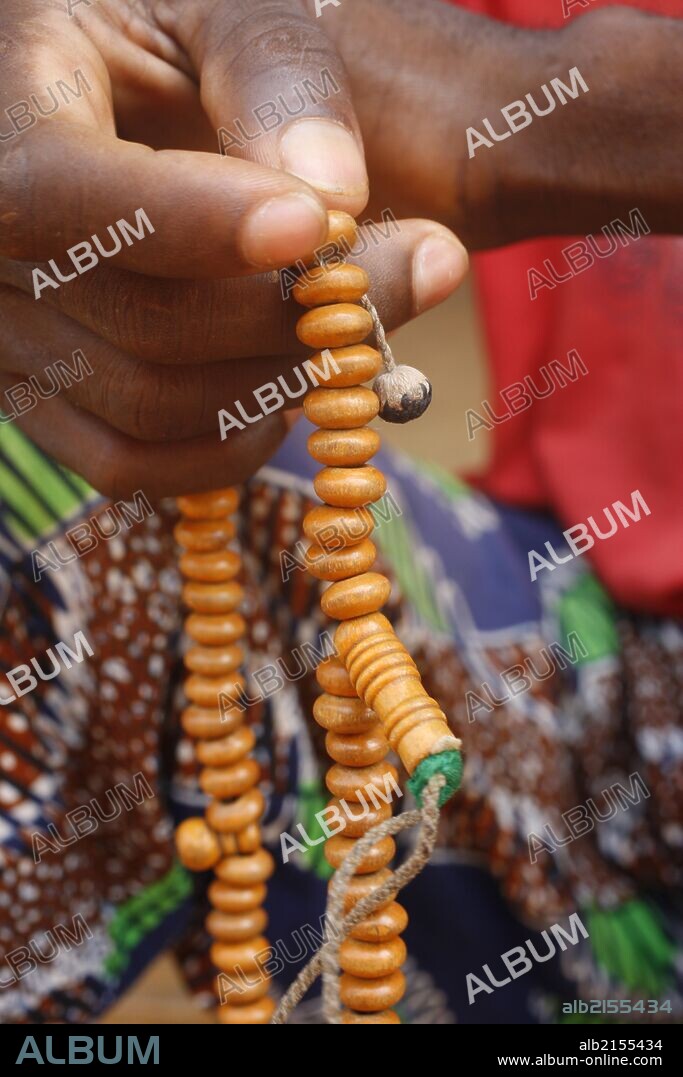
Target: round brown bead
pixel 197 845
pixel 351 783
pixel 236 900
pixel 234 817
pixel 384 924
pixel 249 839
pixel 226 750
pixel 343 283
pixel 359 749
pixel 371 960
pixel 356 364
pixel 343 714
pixel 361 820
pixel 215 631
pixel 350 487
pixel 240 955
pixel 204 723
pixel 335 528
pixel 238 927
pixel 356 597
pixel 210 567
pixel 332 677
pixel 246 987
pixel 360 886
pixel 341 564
pixel 335 408
pixel 371 995
pixel 254 1013
pixel 334 326
pixel 203 536
pixel 338 847
pixel 228 782
pixel 246 870
pixel 214 661
pixel 204 691
pixel 342 230
pixel 211 506
pixel 344 448
pixel 386 1017
pixel 213 597
pixel 229 844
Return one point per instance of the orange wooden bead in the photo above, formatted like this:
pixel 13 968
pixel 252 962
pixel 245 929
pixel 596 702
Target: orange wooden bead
pixel 360 886
pixel 344 448
pixel 370 960
pixel 359 749
pixel 213 567
pixel 332 677
pixel 236 927
pixel 246 870
pixel 356 597
pixel 235 900
pixel 385 1017
pixel 210 506
pixel 334 326
pixel 241 988
pixel 226 750
pixel 342 229
pixel 338 847
pixel 254 1013
pixel 359 818
pixel 343 714
pixel 350 783
pixel 334 528
pixel 247 955
pixel 342 563
pixel 204 536
pixel 349 487
pixel 234 817
pixel 214 661
pixel 384 924
pixel 205 691
pixel 371 995
pixel 249 839
pixel 229 844
pixel 228 782
pixel 213 597
pixel 355 364
pixel 197 845
pixel 335 408
pixel 204 723
pixel 343 283
pixel 215 631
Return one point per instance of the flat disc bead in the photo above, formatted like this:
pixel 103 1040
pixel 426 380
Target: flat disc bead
pixel 386 1017
pixel 370 960
pixel 216 630
pixel 358 819
pixel 350 487
pixel 356 364
pixel 360 886
pixel 334 326
pixel 344 448
pixel 249 839
pixel 236 900
pixel 358 750
pixel 253 1013
pixel 234 817
pixel 342 229
pixel 343 714
pixel 371 995
pixel 204 536
pixel 212 567
pixel 237 927
pixel 350 561
pixel 334 409
pixel 226 750
pixel 214 661
pixel 333 527
pixel 206 691
pixel 210 506
pixel 204 723
pixel 213 597
pixel 332 677
pixel 224 783
pixel 239 955
pixel 350 783
pixel 252 987
pixel 246 870
pixel 344 283
pixel 356 597
pixel 384 924
pixel 197 845
pixel 338 847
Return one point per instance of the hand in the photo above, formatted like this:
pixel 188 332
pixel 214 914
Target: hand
pixel 179 323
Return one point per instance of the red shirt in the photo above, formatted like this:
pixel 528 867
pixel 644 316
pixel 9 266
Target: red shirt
pixel 619 427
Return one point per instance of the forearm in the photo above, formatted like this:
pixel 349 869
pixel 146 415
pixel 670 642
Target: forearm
pixel 597 156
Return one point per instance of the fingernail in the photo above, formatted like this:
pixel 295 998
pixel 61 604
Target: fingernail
pixel 439 265
pixel 283 229
pixel 325 155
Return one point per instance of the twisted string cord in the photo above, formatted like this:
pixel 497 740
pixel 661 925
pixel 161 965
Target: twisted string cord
pixel 380 335
pixel 338 927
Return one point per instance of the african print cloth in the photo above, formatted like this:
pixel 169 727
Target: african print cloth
pixel 569 709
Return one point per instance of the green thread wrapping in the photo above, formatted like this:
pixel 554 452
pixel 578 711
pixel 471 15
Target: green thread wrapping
pixel 629 943
pixel 140 915
pixel 447 763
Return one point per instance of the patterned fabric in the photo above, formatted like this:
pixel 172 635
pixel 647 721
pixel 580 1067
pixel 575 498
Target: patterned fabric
pixel 569 709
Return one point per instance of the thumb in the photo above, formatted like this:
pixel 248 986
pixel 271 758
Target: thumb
pixel 278 94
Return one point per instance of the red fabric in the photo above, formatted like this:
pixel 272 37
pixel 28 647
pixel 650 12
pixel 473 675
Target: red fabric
pixel 620 427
